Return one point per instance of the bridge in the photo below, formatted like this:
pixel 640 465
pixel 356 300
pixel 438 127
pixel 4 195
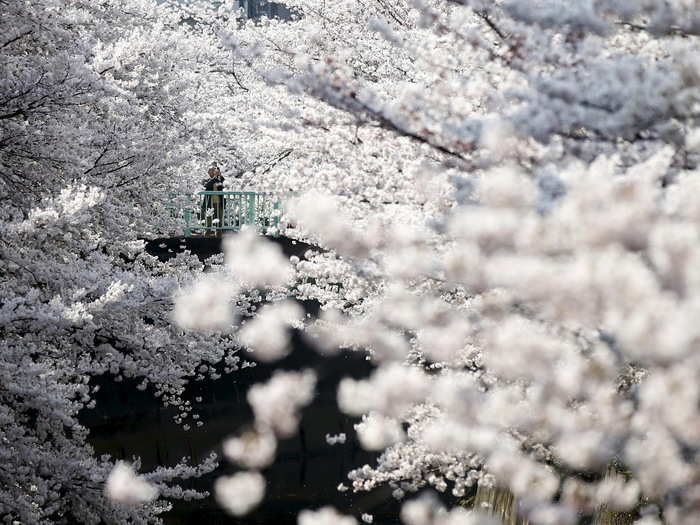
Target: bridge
pixel 212 212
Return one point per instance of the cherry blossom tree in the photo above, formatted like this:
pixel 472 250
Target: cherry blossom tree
pixel 105 108
pixel 503 195
pixel 530 302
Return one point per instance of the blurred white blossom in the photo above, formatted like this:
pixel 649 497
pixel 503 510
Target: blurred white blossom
pixel 255 261
pixel 268 334
pixel 377 432
pixel 240 493
pixel 123 485
pixel 324 516
pixel 255 449
pixel 277 403
pixel 205 305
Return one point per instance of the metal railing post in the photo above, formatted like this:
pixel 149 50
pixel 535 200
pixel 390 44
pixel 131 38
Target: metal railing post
pixel 276 211
pixel 250 218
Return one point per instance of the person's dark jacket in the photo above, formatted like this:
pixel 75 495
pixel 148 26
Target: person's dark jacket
pixel 214 183
pixel 213 201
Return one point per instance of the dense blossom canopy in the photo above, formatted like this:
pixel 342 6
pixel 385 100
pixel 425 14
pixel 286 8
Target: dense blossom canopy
pixel 504 194
pixel 99 118
pixel 506 189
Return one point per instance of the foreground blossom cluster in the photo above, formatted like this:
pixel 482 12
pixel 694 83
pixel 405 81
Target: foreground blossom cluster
pixel 521 262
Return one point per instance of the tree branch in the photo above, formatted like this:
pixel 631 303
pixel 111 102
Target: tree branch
pixel 235 77
pixel 132 179
pixel 279 159
pixel 22 35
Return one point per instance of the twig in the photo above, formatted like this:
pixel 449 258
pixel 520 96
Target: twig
pixel 279 159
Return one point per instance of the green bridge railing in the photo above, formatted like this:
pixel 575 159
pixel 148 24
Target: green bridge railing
pixel 212 212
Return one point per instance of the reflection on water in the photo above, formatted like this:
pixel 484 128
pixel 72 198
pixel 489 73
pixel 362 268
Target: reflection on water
pixel 129 423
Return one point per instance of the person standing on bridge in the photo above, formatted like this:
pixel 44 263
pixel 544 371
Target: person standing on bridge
pixel 213 205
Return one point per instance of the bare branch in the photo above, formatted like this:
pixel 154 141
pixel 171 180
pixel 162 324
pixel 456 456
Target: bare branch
pixel 673 30
pixel 235 77
pixel 280 158
pixel 132 179
pixel 22 35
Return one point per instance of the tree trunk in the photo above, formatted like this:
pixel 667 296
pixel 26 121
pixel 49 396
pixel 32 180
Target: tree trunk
pixel 498 502
pixel 605 516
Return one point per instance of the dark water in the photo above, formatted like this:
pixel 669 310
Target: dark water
pixel 167 247
pixel 128 422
